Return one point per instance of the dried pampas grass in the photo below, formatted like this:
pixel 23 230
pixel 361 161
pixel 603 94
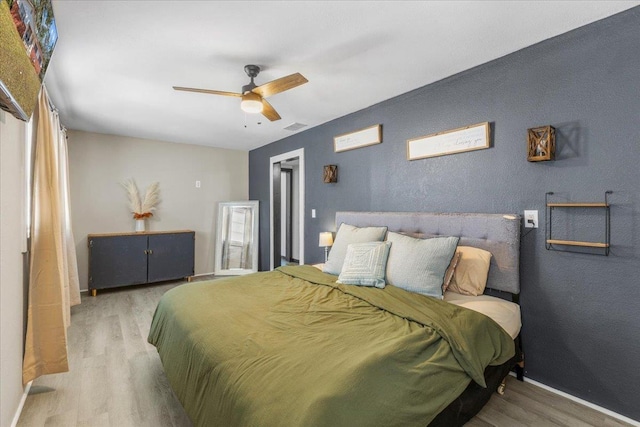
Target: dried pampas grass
pixel 142 208
pixel 151 198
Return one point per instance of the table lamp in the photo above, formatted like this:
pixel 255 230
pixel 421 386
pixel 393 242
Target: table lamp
pixel 326 240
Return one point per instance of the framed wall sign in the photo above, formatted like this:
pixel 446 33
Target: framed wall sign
pixel 468 138
pixel 360 138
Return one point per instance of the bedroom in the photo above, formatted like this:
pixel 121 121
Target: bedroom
pixel 584 83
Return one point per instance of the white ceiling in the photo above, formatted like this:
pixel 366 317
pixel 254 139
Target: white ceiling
pixel 116 61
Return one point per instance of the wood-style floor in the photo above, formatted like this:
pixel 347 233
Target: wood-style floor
pixel 116 378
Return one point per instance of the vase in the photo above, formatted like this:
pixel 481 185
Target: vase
pixel 140 224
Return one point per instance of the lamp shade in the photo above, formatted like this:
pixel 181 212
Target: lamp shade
pixel 251 103
pixel 326 239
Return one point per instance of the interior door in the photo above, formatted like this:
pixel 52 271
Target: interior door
pixel 294 160
pixel 286 214
pixel 277 215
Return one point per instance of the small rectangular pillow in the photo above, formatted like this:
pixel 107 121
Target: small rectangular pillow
pixel 346 235
pixel 419 265
pixel 365 264
pixel 470 275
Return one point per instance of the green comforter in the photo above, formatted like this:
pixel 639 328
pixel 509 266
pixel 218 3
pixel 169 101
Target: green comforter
pixel 293 348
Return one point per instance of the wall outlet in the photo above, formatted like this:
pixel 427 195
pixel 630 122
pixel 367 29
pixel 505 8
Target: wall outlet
pixel 313 213
pixel 197 184
pixel 530 219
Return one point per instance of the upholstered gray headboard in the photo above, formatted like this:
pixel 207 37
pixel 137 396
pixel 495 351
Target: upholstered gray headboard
pixel 496 233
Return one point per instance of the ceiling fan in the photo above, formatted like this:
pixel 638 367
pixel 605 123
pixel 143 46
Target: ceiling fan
pixel 253 97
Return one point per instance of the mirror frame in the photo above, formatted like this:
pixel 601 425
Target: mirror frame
pixel 219 271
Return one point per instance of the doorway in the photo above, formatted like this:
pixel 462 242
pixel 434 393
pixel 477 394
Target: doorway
pixel 287 209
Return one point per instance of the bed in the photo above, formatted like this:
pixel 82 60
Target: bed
pixel 293 347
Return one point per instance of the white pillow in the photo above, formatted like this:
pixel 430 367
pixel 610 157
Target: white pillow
pixel 365 264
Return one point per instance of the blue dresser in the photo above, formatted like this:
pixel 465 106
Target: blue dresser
pixel 125 259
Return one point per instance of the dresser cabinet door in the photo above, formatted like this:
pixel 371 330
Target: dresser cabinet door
pixel 117 261
pixel 170 256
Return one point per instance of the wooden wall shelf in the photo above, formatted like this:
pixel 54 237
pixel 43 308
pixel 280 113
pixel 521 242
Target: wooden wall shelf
pixel 577 243
pixel 577 205
pixel 550 241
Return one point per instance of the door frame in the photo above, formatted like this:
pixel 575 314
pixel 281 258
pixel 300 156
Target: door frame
pixel 288 220
pixel 299 153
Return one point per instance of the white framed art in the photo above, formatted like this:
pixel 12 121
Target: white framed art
pixel 468 138
pixel 360 138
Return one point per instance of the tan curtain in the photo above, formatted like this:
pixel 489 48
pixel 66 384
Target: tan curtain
pixel 53 271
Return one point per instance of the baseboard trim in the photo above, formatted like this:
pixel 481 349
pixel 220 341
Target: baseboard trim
pixel 16 417
pixel 203 274
pixel 84 291
pixel 581 401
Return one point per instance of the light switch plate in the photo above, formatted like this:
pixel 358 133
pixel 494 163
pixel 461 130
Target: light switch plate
pixel 313 213
pixel 530 219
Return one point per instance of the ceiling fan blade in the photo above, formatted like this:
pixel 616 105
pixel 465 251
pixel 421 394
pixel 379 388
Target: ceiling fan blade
pixel 269 112
pixel 208 91
pixel 280 85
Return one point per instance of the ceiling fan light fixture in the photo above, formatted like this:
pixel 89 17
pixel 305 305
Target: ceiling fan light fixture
pixel 251 103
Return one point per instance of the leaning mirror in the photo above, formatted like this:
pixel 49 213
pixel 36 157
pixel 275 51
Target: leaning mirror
pixel 237 238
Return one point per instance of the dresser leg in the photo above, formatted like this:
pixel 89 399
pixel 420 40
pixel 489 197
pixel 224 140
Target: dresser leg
pixel 94 292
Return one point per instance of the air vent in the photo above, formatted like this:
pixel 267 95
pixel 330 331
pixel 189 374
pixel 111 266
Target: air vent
pixel 295 126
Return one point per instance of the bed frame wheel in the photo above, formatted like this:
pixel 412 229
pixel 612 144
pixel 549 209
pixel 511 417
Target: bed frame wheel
pixel 502 387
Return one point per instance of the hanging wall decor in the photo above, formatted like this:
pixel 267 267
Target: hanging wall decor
pixel 468 138
pixel 541 143
pixel 360 138
pixel 330 174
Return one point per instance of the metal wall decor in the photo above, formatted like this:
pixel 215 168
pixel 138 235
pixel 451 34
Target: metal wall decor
pixel 541 144
pixel 330 174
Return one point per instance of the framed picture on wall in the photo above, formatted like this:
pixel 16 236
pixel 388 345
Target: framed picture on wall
pixel 360 138
pixel 460 140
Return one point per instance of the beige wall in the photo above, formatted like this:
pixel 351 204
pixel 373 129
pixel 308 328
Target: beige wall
pixel 99 163
pixel 11 285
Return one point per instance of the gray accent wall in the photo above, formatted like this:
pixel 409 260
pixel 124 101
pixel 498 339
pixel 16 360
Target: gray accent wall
pixel 581 313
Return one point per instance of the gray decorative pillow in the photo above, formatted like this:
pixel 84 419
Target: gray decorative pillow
pixel 365 264
pixel 346 235
pixel 419 265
